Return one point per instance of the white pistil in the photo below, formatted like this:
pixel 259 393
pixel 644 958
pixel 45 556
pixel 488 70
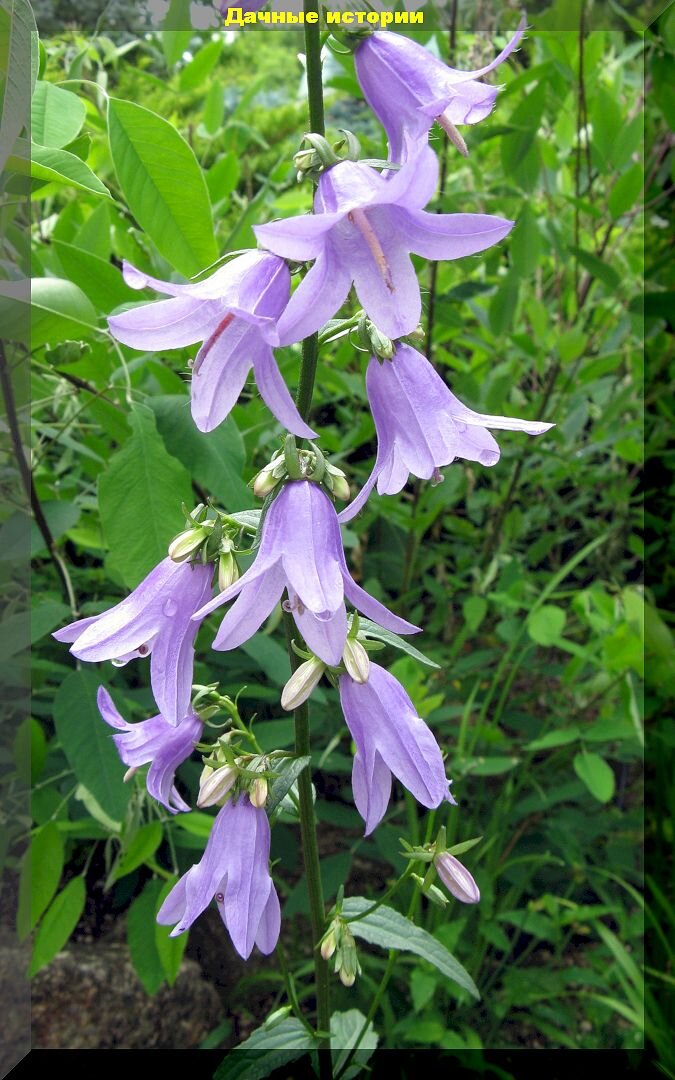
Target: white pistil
pixel 358 218
pixel 453 134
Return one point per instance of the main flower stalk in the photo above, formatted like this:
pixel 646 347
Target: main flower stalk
pixel 310 847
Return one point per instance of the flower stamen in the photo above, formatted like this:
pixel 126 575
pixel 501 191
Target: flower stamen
pixel 358 218
pixel 210 342
pixel 453 134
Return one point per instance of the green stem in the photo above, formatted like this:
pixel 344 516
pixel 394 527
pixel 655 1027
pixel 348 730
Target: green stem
pixel 310 846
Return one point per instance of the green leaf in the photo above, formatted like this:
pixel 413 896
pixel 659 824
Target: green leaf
pixel 18 35
pixel 137 517
pixel 345 1028
pixel 41 870
pixel 288 1037
pixel 390 930
pixel 561 737
pixel 223 177
pixel 474 610
pixel 144 844
pixel 30 748
pixel 59 311
pixel 45 617
pixel 59 166
pixel 270 657
pixel 170 950
pixel 58 924
pixel 212 116
pixel 60 516
pixel 98 278
pixel 194 73
pixel 141 938
pixel 503 305
pixel 163 184
pixel 626 191
pixel 56 115
pixel 284 782
pixel 215 458
pixel 372 630
pixel 525 243
pixel 546 624
pixel 597 268
pixel 596 774
pixel 86 740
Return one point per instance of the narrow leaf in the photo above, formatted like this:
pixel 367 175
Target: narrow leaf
pixel 372 630
pixel 58 924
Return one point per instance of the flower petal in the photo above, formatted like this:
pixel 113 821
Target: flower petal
pixel 166 324
pixel 325 637
pixel 450 236
pixel 301 238
pixel 374 610
pixel 311 546
pixel 275 394
pixel 318 297
pixel 269 926
pixel 219 373
pixel 253 605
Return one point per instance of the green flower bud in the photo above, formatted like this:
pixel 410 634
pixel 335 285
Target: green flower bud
pixel 183 545
pixel 355 660
pixel 302 683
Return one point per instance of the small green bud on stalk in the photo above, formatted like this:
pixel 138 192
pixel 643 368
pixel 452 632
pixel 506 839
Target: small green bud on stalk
pixel 302 683
pixel 265 481
pixel 214 785
pixel 355 660
pixel 258 793
pixel 228 571
pixel 328 945
pixel 185 543
pixel 340 484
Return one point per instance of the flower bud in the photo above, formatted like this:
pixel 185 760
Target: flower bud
pixel 228 571
pixel 264 482
pixel 185 543
pixel 381 345
pixel 301 683
pixel 214 785
pixel 355 660
pixel 340 486
pixel 328 945
pixel 258 793
pixel 347 961
pixel 456 878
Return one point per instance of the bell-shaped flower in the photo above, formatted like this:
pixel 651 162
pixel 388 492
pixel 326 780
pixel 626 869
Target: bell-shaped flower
pixel 154 741
pixel 408 88
pixel 301 550
pixel 390 739
pixel 363 229
pixel 154 620
pixel 421 425
pixel 234 312
pixel 234 870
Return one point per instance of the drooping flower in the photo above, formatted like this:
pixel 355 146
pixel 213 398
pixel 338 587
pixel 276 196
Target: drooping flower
pixel 234 870
pixel 422 426
pixel 362 230
pixel 154 620
pixel 301 550
pixel 153 741
pixel 234 313
pixel 390 739
pixel 408 88
pixel 456 878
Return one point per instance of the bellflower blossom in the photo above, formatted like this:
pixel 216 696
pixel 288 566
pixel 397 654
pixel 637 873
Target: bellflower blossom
pixel 234 870
pixel 421 425
pixel 234 313
pixel 363 229
pixel 153 741
pixel 301 550
pixel 408 88
pixel 154 620
pixel 390 738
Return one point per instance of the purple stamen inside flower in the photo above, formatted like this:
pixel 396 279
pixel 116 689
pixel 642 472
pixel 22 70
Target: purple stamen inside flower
pixel 358 218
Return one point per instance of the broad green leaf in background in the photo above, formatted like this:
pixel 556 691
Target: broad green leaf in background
pixel 141 938
pixel 525 242
pixel 345 1028
pixel 62 167
pixel 18 38
pixel 475 610
pixel 58 924
pixel 140 496
pixel 86 741
pixel 163 184
pixel 60 516
pixel 30 746
pixel 223 177
pixel 99 279
pixel 195 72
pixel 391 930
pixel 41 871
pixel 169 949
pixel 215 458
pixel 56 115
pixel 546 624
pixel 503 305
pixel 284 782
pixel 59 311
pixel 596 774
pixel 142 847
pixel 272 1046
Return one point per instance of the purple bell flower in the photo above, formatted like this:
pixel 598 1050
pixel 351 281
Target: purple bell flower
pixel 154 620
pixel 407 88
pixel 421 425
pixel 234 313
pixel 153 741
pixel 234 870
pixel 390 738
pixel 456 878
pixel 301 550
pixel 362 230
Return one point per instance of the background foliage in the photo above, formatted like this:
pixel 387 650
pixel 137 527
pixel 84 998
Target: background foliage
pixel 165 149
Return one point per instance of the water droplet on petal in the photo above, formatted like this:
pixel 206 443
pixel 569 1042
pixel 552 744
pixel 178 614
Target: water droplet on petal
pixel 118 663
pixel 489 457
pixel 170 607
pixel 460 426
pixel 143 650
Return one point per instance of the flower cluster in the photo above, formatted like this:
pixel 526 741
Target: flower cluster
pixel 366 224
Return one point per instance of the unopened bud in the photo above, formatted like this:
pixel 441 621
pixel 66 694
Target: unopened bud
pixel 456 878
pixel 340 486
pixel 355 660
pixel 301 683
pixel 214 785
pixel 228 571
pixel 431 891
pixel 185 543
pixel 328 945
pixel 258 793
pixel 347 961
pixel 264 482
pixel 417 335
pixel 381 345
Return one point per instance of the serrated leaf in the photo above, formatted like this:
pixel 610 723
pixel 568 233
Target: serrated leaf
pixel 372 630
pixel 266 1049
pixel 283 783
pixel 58 924
pixel 391 930
pixel 137 517
pixel 141 938
pixel 596 774
pixel 56 115
pixel 86 741
pixel 345 1028
pixel 163 184
pixel 41 870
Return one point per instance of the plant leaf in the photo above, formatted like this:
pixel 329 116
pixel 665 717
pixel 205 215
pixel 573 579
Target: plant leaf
pixel 372 630
pixel 58 924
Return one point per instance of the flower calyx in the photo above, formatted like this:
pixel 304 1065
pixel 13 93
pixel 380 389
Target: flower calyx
pixel 291 463
pixel 208 537
pixel 316 154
